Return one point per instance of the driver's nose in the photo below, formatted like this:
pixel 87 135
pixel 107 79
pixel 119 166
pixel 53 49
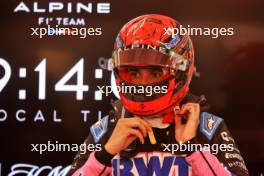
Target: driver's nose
pixel 145 77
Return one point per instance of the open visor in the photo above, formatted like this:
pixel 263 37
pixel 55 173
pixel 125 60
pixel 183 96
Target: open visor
pixel 149 57
pixel 143 75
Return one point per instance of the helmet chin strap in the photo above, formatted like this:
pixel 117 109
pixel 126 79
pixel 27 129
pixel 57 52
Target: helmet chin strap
pixel 169 114
pixel 163 119
pixel 156 121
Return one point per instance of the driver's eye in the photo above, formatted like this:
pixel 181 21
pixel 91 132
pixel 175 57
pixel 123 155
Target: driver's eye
pixel 133 72
pixel 157 74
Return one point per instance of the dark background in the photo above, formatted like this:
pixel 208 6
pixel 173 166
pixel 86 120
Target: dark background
pixel 231 69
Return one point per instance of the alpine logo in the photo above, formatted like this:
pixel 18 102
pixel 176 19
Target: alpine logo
pixel 69 7
pixel 210 123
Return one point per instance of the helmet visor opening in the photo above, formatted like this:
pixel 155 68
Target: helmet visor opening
pixel 149 57
pixel 143 75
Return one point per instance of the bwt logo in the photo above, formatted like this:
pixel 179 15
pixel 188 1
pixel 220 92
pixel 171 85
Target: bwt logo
pixel 143 164
pixel 69 7
pixel 33 170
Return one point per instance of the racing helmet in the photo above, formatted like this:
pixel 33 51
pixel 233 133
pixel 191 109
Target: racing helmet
pixel 152 42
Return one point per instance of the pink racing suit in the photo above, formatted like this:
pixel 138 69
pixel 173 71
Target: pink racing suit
pixel 93 167
pixel 218 154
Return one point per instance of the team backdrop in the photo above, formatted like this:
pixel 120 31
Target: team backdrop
pixel 49 72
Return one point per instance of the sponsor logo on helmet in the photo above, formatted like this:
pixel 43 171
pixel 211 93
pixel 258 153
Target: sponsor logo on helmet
pixel 143 46
pixel 142 106
pixel 173 43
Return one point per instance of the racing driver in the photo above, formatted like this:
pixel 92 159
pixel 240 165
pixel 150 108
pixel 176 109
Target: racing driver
pixel 144 135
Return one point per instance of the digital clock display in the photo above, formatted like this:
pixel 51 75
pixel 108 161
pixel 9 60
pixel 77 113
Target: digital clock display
pixel 72 82
pixel 78 69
